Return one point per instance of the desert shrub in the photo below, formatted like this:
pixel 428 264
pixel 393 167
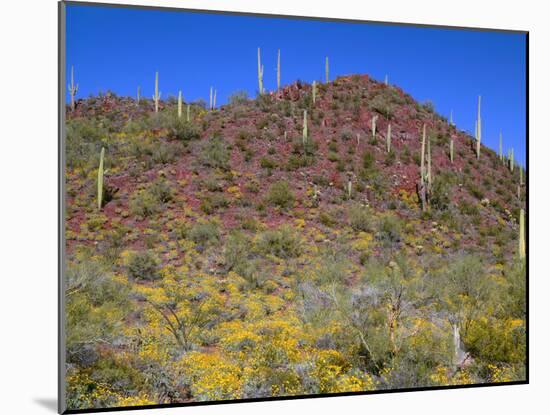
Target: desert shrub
pixel 183 130
pixel 389 230
pixel 282 242
pixel 211 203
pixel 279 194
pixel 439 198
pixel 346 135
pixel 203 233
pixel 165 153
pixel 84 140
pixel 143 265
pixel 474 190
pixel 143 204
pixel 161 190
pixel 146 202
pixel 236 250
pixel 238 98
pixel 368 160
pixel 215 154
pixel 360 218
pixel 267 163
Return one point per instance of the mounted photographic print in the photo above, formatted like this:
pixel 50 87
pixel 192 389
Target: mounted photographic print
pixel 258 207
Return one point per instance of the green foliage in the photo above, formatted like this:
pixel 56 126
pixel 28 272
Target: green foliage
pixel 360 219
pixel 215 154
pixel 279 194
pixel 204 233
pixel 143 265
pixel 282 242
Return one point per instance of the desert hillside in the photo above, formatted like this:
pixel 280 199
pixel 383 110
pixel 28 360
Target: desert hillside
pixel 279 246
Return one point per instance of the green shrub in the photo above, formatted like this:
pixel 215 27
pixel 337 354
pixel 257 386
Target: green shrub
pixel 143 266
pixel 183 130
pixel 282 242
pixel 215 154
pixel 267 163
pixel 204 233
pixel 279 194
pixel 359 218
pixel 143 204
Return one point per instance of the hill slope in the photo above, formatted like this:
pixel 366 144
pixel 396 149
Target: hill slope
pixel 234 258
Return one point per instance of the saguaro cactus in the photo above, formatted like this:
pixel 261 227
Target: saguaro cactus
pixel 422 157
pixel 260 74
pixel 451 150
pixel 327 79
pixel 388 138
pixel 215 93
pixel 520 175
pixel 373 128
pixel 73 89
pixel 429 173
pixel 211 98
pixel 138 95
pixel 422 182
pixel 349 188
pixel 179 104
pixel 478 127
pixel 156 97
pixel 512 160
pixel 386 80
pixel 451 123
pixel 304 130
pixel 188 116
pixel 278 69
pixel 521 234
pixel 100 179
pixel 314 91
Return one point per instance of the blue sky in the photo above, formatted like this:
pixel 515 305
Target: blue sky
pixel 118 49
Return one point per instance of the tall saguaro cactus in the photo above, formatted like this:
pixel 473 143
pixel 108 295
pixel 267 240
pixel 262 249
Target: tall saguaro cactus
pixel 100 179
pixel 278 70
pixel 429 173
pixel 422 157
pixel 478 127
pixel 304 129
pixel 451 150
pixel 138 95
pixel 386 80
pixel 260 74
pixel 327 79
pixel 512 160
pixel 73 89
pixel 422 184
pixel 314 91
pixel 156 97
pixel 188 115
pixel 521 234
pixel 179 104
pixel 388 138
pixel 373 127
